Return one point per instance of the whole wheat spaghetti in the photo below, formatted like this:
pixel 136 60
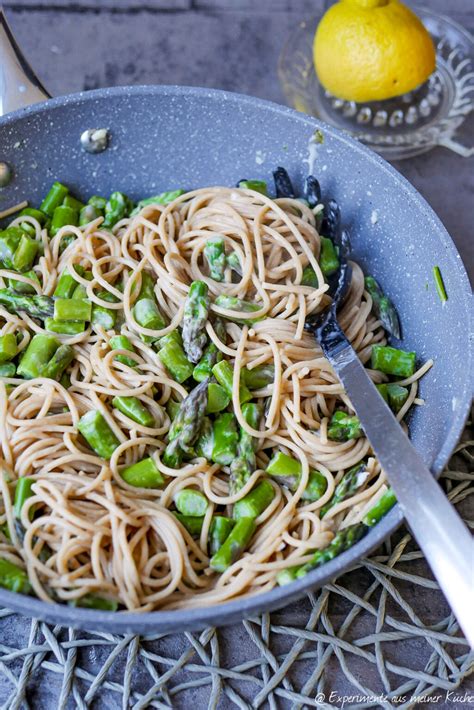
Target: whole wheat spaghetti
pixel 84 532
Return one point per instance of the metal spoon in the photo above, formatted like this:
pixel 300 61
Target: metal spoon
pixel 436 525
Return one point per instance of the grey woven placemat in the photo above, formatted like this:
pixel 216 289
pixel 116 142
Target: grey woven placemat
pixel 380 636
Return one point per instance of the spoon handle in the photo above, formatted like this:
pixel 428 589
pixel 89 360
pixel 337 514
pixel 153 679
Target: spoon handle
pixel 441 534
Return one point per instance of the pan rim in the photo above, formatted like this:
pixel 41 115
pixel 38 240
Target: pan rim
pixel 235 610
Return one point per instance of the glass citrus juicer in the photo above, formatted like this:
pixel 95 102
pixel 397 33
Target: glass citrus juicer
pixel 402 126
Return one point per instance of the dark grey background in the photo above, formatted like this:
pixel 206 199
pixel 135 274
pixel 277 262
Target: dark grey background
pixel 234 45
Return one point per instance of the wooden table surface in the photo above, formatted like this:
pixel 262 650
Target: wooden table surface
pixel 228 44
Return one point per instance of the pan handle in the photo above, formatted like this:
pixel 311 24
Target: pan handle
pixel 19 85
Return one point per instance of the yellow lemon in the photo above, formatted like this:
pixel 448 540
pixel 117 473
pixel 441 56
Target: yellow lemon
pixel 370 50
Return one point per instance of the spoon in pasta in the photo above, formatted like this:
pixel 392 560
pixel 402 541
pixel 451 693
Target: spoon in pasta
pixel 437 527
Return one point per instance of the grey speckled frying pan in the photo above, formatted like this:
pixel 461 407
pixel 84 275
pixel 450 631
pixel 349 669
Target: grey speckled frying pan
pixel 165 137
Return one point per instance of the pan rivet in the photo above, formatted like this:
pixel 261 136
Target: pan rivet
pixel 6 174
pixel 95 140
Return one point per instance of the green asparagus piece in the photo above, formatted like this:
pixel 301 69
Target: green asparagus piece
pixel 98 434
pixel 65 381
pixel 163 199
pixel 328 258
pixel 309 277
pixel 75 204
pixel 186 426
pixel 392 361
pixel 244 464
pixel 205 442
pixel 287 472
pixel 106 317
pixel 315 488
pixel 257 185
pixel 188 501
pixel 383 307
pixel 348 486
pixel 25 254
pixel 173 455
pixel 54 198
pixel 66 241
pixel 174 338
pixel 8 370
pixel 285 469
pixel 211 354
pixel 343 427
pixel 214 253
pixel 121 342
pixel 255 502
pixel 134 410
pixel 225 439
pixel 63 216
pixel 67 284
pixel 395 395
pixel 8 347
pixel 217 398
pixel 88 214
pixel 36 306
pixel 221 527
pixel 22 287
pixel 56 366
pixel 147 287
pixel 204 367
pixel 91 601
pixel 146 313
pixel 260 376
pixel 196 310
pixel 174 359
pixel 72 309
pixel 13 577
pixel 192 523
pixel 28 229
pixel 39 352
pixel 220 329
pixel 219 531
pixel 98 202
pixel 172 407
pixel 65 327
pixel 234 262
pixel 383 505
pixel 224 374
pixel 234 546
pixel 38 215
pixel 143 474
pixel 439 283
pixel 80 292
pixel 286 576
pixel 342 541
pixel 22 492
pixel 236 304
pixel 383 391
pixel 117 207
pixel 9 241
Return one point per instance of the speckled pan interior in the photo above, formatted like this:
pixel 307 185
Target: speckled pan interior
pixel 170 137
